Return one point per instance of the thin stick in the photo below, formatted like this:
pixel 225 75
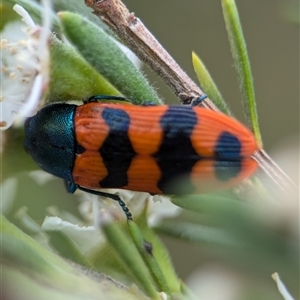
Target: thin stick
pixel 136 36
pixel 274 172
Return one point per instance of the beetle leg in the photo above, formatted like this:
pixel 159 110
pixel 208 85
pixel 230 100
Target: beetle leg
pixel 71 187
pixel 198 100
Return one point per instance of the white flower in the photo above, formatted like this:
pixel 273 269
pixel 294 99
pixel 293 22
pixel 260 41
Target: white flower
pixel 92 207
pixel 85 238
pixel 158 207
pixel 24 68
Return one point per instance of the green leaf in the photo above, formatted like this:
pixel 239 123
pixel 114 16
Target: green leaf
pixel 79 7
pixel 64 246
pixel 205 202
pixel 145 249
pixel 208 84
pixel 29 270
pixel 197 233
pixel 129 255
pixel 159 252
pixel 72 78
pixel 242 65
pixel 99 49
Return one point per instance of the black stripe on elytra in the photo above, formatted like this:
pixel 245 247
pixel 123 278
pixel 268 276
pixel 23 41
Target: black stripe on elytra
pixel 226 170
pixel 228 157
pixel 176 155
pixel 116 150
pixel 228 147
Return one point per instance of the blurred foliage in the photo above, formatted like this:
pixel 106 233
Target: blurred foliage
pixel 252 239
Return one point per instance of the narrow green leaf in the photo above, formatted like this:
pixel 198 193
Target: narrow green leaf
pixel 129 255
pixel 197 233
pixel 19 248
pixel 242 64
pixel 208 84
pixel 145 249
pixel 160 253
pixel 205 202
pixel 72 78
pixel 79 7
pixel 163 259
pixel 63 245
pixel 189 295
pixel 99 49
pixel 28 270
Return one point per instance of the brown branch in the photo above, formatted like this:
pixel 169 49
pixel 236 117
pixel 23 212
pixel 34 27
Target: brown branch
pixel 136 36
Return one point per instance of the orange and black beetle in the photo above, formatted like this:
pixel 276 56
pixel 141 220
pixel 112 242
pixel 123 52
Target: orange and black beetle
pixel 140 148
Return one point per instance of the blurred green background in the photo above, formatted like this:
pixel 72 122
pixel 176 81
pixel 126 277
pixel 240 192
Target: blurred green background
pixel 272 36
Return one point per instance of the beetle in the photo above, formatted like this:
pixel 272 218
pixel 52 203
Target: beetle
pixel 149 148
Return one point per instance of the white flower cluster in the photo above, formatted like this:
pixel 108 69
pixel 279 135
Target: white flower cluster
pixel 24 68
